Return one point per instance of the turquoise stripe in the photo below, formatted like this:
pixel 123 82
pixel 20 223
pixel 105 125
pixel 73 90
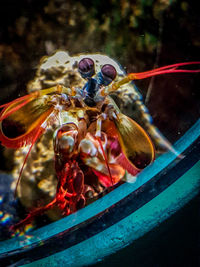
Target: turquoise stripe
pixel 105 202
pixel 132 227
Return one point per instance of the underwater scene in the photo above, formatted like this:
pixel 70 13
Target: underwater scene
pixel 99 118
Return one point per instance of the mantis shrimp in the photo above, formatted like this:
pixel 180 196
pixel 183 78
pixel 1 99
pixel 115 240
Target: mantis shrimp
pixel 94 142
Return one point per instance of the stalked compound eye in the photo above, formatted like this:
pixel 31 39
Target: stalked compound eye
pixel 108 73
pixel 86 68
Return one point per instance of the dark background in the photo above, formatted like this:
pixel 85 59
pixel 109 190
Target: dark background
pixel 140 35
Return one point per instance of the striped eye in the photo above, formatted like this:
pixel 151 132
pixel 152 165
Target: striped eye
pixel 109 73
pixel 86 68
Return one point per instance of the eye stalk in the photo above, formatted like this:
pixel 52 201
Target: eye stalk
pixel 86 68
pixel 108 74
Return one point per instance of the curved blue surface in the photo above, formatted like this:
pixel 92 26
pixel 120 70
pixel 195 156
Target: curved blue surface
pixel 127 229
pixel 131 228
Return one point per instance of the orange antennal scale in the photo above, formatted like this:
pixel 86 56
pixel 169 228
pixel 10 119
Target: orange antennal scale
pixel 136 144
pixel 27 135
pixel 14 105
